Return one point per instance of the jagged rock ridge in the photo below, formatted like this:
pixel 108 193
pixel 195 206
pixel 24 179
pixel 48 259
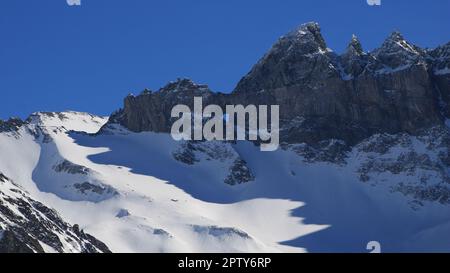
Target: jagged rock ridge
pixel 322 96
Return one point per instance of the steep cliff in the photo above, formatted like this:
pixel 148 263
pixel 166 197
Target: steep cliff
pixel 398 87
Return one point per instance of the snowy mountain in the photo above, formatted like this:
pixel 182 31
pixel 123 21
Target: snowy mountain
pixel 364 157
pixel 29 226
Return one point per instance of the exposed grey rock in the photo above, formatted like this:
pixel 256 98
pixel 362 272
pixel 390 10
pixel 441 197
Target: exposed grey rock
pixel 435 193
pixel 122 213
pixel 26 224
pixel 11 242
pixel 300 57
pixel 11 125
pixel 87 187
pixel 71 168
pixel 40 133
pixel 221 232
pixel 150 111
pixel 333 151
pixel 58 115
pixel 239 173
pixel 192 152
pixel 439 67
pixel 353 61
pixel 395 54
pixel 186 153
pixel 161 232
pixel 383 142
pixel 417 166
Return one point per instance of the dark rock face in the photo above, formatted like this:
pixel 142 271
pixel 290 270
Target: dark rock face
pixel 26 224
pixel 333 151
pixel 217 231
pixel 351 96
pixel 396 88
pixel 439 63
pixel 186 154
pixel 354 60
pixel 417 166
pixel 14 243
pixel 71 168
pixel 297 58
pixel 436 193
pixel 192 152
pixel 150 111
pixel 101 189
pixel 11 125
pixel 239 173
pixel 395 54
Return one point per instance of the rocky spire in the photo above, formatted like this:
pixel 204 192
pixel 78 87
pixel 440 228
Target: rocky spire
pixel 355 47
pixel 183 84
pixel 299 56
pixel 353 60
pixel 308 33
pixel 440 57
pixel 395 43
pixel 396 53
pixel 146 91
pixel 396 36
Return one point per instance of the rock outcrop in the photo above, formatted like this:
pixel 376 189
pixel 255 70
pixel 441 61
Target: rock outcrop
pixel 28 226
pixel 150 111
pixel 193 152
pixel 11 125
pixel 439 67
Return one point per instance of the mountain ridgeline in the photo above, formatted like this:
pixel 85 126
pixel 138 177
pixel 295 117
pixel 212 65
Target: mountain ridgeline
pixel 397 88
pixel 365 155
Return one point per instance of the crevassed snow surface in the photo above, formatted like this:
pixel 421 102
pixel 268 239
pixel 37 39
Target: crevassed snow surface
pixel 162 205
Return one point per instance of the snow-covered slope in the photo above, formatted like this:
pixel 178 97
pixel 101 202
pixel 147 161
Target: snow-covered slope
pixel 145 192
pixel 126 206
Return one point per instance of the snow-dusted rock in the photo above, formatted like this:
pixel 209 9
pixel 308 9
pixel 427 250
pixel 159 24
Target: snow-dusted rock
pixel 27 225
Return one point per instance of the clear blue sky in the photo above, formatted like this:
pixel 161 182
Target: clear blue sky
pixel 55 57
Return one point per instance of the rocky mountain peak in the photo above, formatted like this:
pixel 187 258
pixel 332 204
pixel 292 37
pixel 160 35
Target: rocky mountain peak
pixel 354 60
pixel 396 43
pixel 299 55
pixel 308 33
pixel 12 124
pixel 354 47
pixel 182 85
pixel 396 36
pixel 444 51
pixel 146 91
pixel 396 54
pixel 440 57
